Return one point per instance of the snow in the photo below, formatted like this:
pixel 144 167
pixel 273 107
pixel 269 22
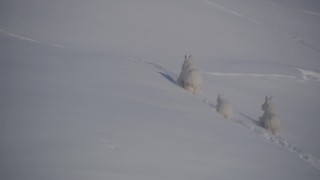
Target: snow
pixel 88 89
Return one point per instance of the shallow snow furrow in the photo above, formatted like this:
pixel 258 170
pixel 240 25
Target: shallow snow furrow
pixel 16 36
pixel 276 30
pixel 309 12
pixel 297 9
pixel 218 6
pixel 305 75
pixel 251 75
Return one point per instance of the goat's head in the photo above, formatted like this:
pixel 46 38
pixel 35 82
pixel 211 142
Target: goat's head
pixel 219 98
pixel 265 106
pixel 187 62
pixel 187 57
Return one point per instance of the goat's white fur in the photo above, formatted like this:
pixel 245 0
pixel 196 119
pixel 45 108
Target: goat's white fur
pixel 190 77
pixel 270 120
pixel 224 107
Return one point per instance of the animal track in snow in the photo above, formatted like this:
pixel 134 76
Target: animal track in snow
pixel 309 12
pixel 223 8
pixel 305 75
pixel 254 126
pixel 272 28
pixel 16 36
pixel 251 75
pixel 281 142
pixel 296 9
pixel 308 75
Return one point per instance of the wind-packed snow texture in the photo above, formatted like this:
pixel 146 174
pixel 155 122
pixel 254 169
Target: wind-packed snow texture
pixel 88 89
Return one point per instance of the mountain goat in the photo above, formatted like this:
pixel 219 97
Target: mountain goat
pixel 190 77
pixel 224 107
pixel 269 120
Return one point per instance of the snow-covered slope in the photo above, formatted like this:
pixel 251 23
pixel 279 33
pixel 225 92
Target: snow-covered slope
pixel 88 89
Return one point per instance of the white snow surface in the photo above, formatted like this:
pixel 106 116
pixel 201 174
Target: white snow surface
pixel 88 89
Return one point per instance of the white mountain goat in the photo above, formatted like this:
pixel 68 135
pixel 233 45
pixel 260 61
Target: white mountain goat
pixel 224 107
pixel 190 77
pixel 270 120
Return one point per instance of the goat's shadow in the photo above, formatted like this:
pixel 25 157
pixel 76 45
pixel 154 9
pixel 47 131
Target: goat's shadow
pixel 255 121
pixel 168 77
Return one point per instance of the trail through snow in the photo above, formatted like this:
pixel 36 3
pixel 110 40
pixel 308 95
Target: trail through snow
pixel 272 28
pixel 248 123
pixel 305 75
pixel 251 75
pixel 297 9
pixel 218 6
pixel 16 36
pixel 309 12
